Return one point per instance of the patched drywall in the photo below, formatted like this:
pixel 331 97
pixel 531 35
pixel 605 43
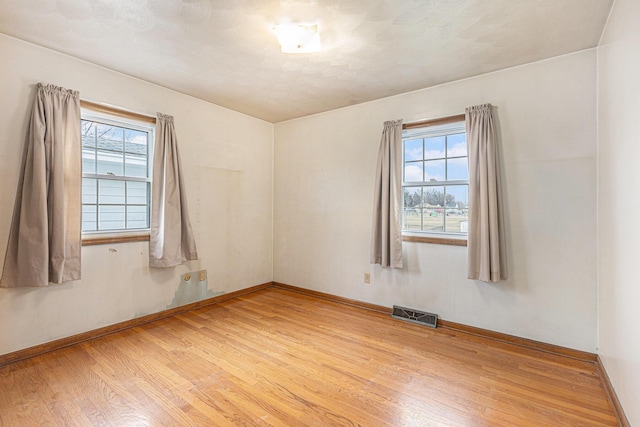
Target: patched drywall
pixel 193 287
pixel 227 167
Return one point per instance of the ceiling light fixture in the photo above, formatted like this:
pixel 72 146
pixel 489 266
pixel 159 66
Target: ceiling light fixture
pixel 298 38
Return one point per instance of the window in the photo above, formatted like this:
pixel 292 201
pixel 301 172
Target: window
pixel 435 180
pixel 116 178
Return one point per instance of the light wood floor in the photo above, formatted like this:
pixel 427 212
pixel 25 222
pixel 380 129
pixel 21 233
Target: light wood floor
pixel 279 358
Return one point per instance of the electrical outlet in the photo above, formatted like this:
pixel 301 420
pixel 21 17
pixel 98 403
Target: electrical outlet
pixel 367 278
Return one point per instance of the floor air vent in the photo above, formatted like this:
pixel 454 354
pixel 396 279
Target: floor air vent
pixel 415 316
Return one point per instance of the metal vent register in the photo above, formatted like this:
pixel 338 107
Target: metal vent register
pixel 415 316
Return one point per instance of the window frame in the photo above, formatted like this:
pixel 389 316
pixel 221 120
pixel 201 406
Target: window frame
pixel 427 129
pixel 134 121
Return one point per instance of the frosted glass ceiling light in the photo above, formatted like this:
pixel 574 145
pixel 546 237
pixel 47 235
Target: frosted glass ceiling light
pixel 298 38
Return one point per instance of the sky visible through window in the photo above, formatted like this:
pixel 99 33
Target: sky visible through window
pixel 435 188
pixel 433 151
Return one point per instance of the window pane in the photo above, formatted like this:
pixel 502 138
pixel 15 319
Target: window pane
pixel 457 220
pixel 458 196
pixel 434 148
pixel 457 169
pixel 111 217
pixel 137 217
pixel 413 149
pixel 434 181
pixel 137 193
pixel 434 170
pixel 433 197
pixel 110 192
pixel 412 207
pixel 135 142
pixel 89 191
pixel 413 172
pixel 412 197
pixel 135 165
pixel 432 219
pixel 88 131
pixel 464 223
pixel 412 219
pixel 456 145
pixel 110 163
pixel 109 137
pixel 89 218
pixel 457 208
pixel 88 160
pixel 122 153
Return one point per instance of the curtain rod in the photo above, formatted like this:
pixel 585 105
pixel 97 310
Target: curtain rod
pixel 115 111
pixel 433 122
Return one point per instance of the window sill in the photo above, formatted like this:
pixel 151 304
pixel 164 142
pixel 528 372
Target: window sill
pixel 108 240
pixel 436 240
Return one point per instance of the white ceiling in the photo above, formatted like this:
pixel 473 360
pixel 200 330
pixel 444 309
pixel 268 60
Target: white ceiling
pixel 224 51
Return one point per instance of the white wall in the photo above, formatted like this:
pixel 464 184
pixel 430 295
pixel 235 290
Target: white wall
pixel 324 167
pixel 227 161
pixel 619 203
pixel 324 179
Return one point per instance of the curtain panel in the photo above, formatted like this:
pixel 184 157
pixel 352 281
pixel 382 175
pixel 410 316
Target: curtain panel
pixel 386 229
pixel 487 255
pixel 171 240
pixel 45 238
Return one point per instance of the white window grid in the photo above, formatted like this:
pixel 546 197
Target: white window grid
pixel 430 132
pixel 100 118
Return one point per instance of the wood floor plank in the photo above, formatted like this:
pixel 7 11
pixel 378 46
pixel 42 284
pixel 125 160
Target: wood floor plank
pixel 280 358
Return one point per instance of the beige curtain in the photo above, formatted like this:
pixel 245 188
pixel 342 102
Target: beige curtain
pixel 45 238
pixel 486 241
pixel 171 241
pixel 386 229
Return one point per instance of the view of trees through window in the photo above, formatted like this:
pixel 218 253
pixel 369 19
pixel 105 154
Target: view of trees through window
pixel 436 180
